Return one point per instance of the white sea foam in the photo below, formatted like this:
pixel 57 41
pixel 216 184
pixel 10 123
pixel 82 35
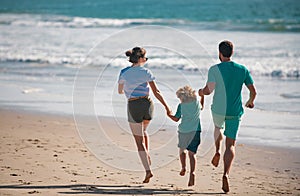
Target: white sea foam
pixel 78 22
pixel 29 39
pixel 31 90
pixel 294 95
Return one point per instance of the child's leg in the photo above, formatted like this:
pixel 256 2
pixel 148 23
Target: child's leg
pixel 192 168
pixel 182 157
pixel 192 161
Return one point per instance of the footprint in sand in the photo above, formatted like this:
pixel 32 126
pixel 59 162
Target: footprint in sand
pixel 33 192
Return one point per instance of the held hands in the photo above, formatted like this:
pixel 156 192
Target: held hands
pixel 168 110
pixel 169 114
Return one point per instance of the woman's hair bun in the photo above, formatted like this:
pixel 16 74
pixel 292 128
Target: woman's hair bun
pixel 135 54
pixel 128 53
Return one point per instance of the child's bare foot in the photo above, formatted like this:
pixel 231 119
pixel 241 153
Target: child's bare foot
pixel 191 180
pixel 215 160
pixel 182 172
pixel 225 186
pixel 147 177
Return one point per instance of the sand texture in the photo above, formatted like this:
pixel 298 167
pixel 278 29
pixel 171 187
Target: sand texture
pixel 44 155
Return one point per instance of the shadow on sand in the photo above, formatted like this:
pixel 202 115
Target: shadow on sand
pixel 108 189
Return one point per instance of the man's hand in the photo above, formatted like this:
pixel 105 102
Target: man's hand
pixel 249 104
pixel 200 92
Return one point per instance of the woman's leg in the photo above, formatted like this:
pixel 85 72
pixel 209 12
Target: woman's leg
pixel 146 137
pixel 138 134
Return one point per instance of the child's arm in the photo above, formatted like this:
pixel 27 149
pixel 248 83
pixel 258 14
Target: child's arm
pixel 173 118
pixel 177 116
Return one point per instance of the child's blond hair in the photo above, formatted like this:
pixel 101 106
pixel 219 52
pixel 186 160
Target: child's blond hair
pixel 186 94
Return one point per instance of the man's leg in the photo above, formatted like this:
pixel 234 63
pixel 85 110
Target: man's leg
pixel 218 139
pixel 228 159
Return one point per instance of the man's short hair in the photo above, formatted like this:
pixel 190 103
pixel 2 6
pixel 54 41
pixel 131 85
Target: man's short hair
pixel 226 48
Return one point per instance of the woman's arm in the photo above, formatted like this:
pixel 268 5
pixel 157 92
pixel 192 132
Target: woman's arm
pixel 173 118
pixel 121 88
pixel 158 95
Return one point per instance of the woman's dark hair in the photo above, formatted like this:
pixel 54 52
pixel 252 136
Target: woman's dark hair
pixel 226 48
pixel 135 54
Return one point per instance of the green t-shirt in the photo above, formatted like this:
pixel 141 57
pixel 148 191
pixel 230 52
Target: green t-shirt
pixel 189 113
pixel 229 78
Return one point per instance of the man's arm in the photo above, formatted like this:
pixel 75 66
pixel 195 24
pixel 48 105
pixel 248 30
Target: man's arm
pixel 208 89
pixel 252 90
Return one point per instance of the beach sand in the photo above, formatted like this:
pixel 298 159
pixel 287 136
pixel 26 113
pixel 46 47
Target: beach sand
pixel 43 154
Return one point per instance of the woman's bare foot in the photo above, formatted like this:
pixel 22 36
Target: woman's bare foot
pixel 147 177
pixel 192 180
pixel 215 160
pixel 225 186
pixel 182 172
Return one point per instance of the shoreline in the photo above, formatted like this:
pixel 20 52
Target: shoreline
pixel 43 154
pixel 242 138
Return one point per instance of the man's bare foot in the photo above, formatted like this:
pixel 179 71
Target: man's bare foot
pixel 182 172
pixel 215 160
pixel 225 186
pixel 192 180
pixel 147 177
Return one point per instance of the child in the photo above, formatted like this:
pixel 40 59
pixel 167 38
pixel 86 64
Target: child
pixel 189 129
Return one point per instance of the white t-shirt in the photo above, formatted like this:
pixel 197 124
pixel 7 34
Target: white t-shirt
pixel 135 80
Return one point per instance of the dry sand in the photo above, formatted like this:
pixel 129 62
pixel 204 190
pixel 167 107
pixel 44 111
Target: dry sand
pixel 44 155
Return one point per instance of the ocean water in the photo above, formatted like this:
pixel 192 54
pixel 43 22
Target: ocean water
pixel 64 57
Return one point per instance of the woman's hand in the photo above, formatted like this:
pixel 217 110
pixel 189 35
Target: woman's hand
pixel 168 110
pixel 121 88
pixel 173 117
